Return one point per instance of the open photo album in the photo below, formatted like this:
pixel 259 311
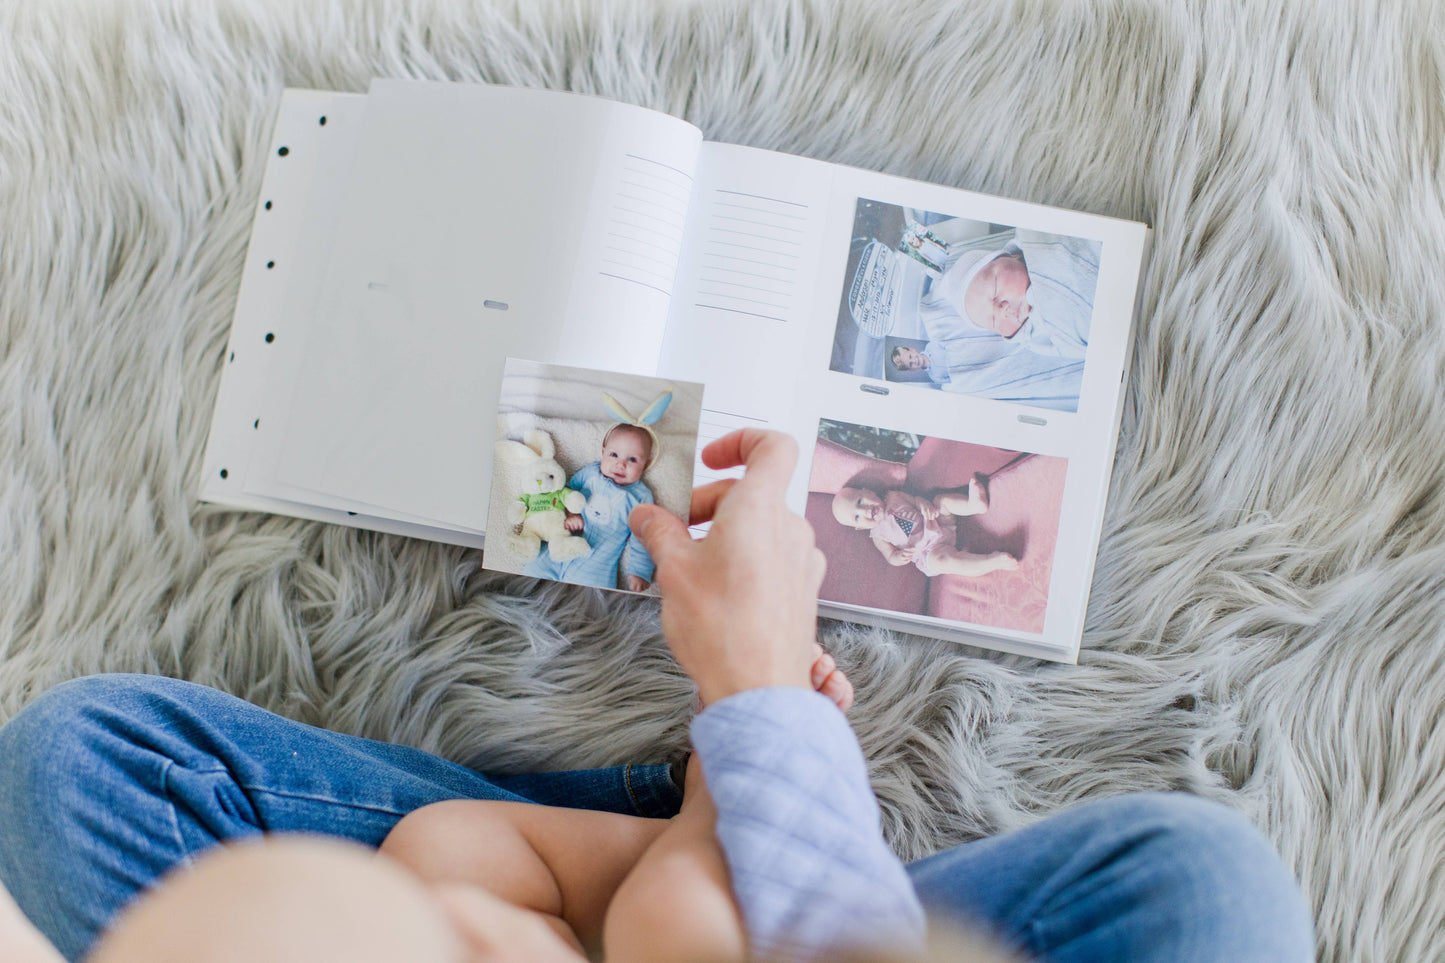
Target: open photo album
pixel 481 314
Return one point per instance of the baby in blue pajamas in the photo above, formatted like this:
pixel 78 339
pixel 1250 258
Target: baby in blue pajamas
pixel 614 487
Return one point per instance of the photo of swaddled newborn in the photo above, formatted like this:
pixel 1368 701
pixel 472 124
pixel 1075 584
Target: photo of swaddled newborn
pixel 576 451
pixel 966 306
pixel 927 526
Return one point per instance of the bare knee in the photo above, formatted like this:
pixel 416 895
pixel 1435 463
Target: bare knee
pixel 419 842
pixel 477 843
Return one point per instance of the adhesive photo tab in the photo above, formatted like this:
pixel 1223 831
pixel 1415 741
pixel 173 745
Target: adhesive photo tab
pixel 577 451
pixel 959 305
pixel 932 527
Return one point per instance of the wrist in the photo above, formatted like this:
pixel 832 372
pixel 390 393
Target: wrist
pixel 715 690
pixel 749 700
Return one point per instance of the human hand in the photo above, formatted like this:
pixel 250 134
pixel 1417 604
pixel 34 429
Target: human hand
pixel 636 583
pixel 739 607
pixel 573 523
pixel 928 509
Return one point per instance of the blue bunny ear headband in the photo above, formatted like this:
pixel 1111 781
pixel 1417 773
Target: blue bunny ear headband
pixel 649 417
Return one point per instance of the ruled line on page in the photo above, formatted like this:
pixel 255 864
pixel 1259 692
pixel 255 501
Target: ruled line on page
pixel 760 275
pixel 769 317
pixel 713 425
pixel 652 226
pixel 754 207
pixel 646 221
pixel 751 247
pixel 735 257
pixel 755 287
pixel 635 269
pixel 761 197
pixel 621 238
pixel 620 277
pixel 657 163
pixel 658 188
pixel 653 199
pixel 738 297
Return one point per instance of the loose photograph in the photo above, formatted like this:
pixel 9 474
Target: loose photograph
pixel 576 451
pixel 954 304
pixel 928 526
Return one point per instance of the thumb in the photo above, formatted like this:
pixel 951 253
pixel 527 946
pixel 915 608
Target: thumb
pixel 661 532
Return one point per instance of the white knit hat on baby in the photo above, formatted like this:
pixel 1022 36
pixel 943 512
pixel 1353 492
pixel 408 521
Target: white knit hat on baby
pixel 959 275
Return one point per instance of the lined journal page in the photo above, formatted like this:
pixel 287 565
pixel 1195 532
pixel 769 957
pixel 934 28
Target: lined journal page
pixel 745 287
pixel 631 239
pixel 751 252
pixel 645 223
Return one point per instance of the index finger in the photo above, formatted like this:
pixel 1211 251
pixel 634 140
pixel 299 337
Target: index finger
pixel 769 457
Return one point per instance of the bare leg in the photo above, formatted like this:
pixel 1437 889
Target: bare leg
pixel 562 863
pixel 950 561
pixel 677 904
pixel 284 900
pixel 972 501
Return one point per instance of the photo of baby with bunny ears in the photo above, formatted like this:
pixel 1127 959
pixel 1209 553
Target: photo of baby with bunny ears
pixel 576 451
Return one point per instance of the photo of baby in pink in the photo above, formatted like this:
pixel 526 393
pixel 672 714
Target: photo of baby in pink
pixel 912 528
pixel 928 526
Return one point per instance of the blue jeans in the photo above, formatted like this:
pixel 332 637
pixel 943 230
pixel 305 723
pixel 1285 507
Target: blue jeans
pixel 110 781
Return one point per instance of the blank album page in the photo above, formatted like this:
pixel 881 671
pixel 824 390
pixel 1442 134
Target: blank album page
pixel 479 223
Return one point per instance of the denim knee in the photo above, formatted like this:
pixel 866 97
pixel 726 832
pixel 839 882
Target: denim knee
pixel 1206 856
pixel 70 713
pixel 74 764
pixel 57 752
pixel 41 745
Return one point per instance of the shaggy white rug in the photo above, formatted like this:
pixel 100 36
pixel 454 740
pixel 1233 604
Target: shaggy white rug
pixel 1266 626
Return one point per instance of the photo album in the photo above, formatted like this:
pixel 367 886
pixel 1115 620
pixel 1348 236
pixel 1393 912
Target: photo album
pixel 480 314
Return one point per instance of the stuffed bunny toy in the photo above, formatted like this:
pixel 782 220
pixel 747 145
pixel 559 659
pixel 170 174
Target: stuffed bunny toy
pixel 535 487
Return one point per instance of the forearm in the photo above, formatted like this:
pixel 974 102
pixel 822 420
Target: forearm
pixel 683 876
pixel 892 553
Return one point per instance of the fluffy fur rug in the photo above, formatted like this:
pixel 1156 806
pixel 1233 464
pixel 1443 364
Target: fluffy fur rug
pixel 1266 623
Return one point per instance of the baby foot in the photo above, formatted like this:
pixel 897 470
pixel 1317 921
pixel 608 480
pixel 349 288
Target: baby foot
pixel 830 680
pixel 1004 562
pixel 978 490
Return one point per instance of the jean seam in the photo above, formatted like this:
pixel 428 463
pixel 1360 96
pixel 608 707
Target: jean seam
pixel 185 850
pixel 328 800
pixel 278 793
pixel 631 793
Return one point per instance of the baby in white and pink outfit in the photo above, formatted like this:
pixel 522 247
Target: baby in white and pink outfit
pixel 909 528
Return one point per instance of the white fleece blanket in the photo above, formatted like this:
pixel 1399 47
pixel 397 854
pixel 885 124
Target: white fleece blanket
pixel 1267 625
